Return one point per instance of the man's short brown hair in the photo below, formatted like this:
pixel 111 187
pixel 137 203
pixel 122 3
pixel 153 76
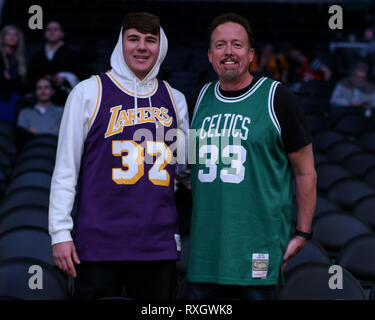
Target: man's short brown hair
pixel 144 22
pixel 232 17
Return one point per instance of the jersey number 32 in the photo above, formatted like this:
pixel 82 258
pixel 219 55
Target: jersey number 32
pixel 133 162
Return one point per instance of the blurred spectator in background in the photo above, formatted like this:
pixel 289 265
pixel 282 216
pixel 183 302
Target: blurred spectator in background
pixel 45 117
pixel 12 71
pixel 58 61
pixel 355 90
pixel 271 64
pixel 305 67
pixel 368 53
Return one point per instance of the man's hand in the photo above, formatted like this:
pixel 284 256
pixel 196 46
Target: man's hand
pixel 294 246
pixel 64 254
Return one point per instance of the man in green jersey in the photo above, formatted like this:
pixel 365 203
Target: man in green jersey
pixel 250 137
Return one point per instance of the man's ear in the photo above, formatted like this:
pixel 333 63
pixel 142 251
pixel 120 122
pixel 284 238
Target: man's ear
pixel 251 54
pixel 210 55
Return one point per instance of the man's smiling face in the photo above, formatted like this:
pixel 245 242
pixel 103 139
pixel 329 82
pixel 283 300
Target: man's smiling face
pixel 230 53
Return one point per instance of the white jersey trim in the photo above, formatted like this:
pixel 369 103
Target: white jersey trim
pixel 98 102
pixel 247 94
pixel 271 109
pixel 173 101
pixel 200 96
pixel 131 93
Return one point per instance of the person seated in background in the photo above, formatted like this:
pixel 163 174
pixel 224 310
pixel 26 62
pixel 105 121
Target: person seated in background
pixel 355 90
pixel 270 63
pixel 12 71
pixel 306 67
pixel 368 53
pixel 58 61
pixel 45 117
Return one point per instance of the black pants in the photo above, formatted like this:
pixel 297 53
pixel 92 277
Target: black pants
pixel 213 291
pixel 146 280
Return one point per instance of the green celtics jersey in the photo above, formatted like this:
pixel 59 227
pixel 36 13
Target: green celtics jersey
pixel 241 186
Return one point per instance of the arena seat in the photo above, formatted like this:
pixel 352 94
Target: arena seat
pixel 367 141
pixel 15 277
pixel 323 204
pixel 25 196
pixel 317 122
pixel 5 162
pixel 359 162
pixel 310 282
pixel 334 229
pixel 311 252
pixel 7 145
pixel 365 210
pixel 353 124
pixel 24 216
pixel 41 164
pixel 323 140
pixel 347 192
pixel 328 174
pixel 42 140
pixel 3 182
pixel 37 151
pixel 30 179
pixel 320 157
pixel 339 151
pixel 358 257
pixel 26 242
pixel 370 176
pixel 6 129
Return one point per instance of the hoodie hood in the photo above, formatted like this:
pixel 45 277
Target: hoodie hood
pixel 127 79
pixel 123 73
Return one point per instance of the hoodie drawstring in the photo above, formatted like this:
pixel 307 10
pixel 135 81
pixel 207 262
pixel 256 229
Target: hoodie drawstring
pixel 151 110
pixel 149 84
pixel 135 102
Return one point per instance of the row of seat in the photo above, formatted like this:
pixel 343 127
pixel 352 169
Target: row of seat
pixel 24 237
pixel 349 121
pixel 307 274
pixel 339 146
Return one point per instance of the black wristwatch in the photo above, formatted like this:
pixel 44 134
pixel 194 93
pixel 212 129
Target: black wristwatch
pixel 306 235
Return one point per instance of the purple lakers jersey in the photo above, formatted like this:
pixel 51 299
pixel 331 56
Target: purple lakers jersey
pixel 126 209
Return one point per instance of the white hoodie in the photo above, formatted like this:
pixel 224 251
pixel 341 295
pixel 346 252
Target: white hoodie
pixel 79 114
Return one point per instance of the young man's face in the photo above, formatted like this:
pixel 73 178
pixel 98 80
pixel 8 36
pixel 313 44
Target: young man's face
pixel 141 51
pixel 44 91
pixel 230 53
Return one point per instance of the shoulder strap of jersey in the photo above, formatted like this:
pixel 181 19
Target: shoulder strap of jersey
pixel 271 109
pixel 200 96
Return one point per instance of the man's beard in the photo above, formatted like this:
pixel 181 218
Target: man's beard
pixel 229 74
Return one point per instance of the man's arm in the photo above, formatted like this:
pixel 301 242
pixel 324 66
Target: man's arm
pixel 302 162
pixel 73 131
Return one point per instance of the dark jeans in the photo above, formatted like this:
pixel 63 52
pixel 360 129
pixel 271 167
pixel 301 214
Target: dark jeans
pixel 146 280
pixel 213 291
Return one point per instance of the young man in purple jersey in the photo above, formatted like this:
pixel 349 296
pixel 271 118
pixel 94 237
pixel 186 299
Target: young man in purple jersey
pixel 115 156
